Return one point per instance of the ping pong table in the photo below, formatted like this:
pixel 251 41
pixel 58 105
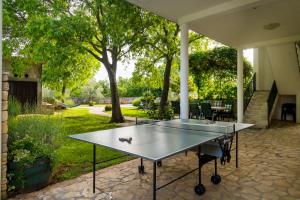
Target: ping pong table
pixel 159 140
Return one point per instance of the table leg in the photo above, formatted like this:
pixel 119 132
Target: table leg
pixel 94 167
pixel 154 181
pixel 199 189
pixel 237 149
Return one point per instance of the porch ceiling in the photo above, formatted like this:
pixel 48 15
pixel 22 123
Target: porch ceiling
pixel 233 22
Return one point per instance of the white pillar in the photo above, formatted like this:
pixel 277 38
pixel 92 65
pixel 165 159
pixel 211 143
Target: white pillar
pixel 184 72
pixel 240 83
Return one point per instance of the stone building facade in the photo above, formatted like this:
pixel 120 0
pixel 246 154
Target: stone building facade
pixel 32 74
pixel 5 89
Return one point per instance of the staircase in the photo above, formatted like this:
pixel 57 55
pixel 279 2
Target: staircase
pixel 257 110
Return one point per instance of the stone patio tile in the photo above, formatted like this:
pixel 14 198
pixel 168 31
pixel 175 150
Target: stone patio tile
pixel 269 168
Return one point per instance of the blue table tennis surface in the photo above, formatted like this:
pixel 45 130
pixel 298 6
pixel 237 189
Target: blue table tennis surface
pixel 162 139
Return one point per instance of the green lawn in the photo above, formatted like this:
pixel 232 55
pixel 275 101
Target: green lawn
pixel 73 158
pixel 133 112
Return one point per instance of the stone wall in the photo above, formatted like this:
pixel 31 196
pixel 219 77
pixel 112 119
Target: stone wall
pixel 5 88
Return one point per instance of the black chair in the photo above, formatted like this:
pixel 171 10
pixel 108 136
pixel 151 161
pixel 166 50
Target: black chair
pixel 176 106
pixel 227 113
pixel 288 109
pixel 194 111
pixel 207 112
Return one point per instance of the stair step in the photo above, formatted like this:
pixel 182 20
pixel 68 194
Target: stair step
pixel 256 112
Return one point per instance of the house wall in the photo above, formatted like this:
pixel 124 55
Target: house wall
pixel 279 63
pixel 264 74
pixel 285 68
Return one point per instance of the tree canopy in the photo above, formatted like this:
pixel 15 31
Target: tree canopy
pixel 54 31
pixel 215 72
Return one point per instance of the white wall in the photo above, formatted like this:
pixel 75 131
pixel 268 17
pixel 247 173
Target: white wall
pixel 285 68
pixel 279 63
pixel 264 74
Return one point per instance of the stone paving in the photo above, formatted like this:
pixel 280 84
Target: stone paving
pixel 269 169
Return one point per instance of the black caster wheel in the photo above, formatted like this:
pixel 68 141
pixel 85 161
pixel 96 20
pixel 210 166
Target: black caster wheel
pixel 141 169
pixel 215 179
pixel 159 163
pixel 200 189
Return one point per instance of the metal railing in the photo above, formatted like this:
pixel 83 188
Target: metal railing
pixel 271 99
pixel 249 91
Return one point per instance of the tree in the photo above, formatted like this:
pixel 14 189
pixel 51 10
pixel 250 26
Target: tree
pixel 89 92
pixel 106 29
pixel 161 47
pixel 215 72
pixel 128 88
pixel 161 51
pixel 105 90
pixel 69 73
pixel 28 35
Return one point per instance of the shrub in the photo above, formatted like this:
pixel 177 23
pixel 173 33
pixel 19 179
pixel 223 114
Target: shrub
pixel 147 100
pixel 108 108
pixel 156 113
pixel 92 103
pixel 69 103
pixel 50 100
pixel 30 137
pixel 136 102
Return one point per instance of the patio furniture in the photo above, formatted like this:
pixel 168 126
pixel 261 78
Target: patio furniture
pixel 194 111
pixel 176 106
pixel 288 109
pixel 207 112
pixel 227 112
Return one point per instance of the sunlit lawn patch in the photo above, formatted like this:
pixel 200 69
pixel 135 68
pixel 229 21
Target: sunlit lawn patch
pixel 133 112
pixel 74 158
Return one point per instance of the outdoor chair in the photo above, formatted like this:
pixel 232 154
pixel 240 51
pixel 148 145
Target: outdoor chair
pixel 207 112
pixel 194 111
pixel 288 109
pixel 227 113
pixel 176 106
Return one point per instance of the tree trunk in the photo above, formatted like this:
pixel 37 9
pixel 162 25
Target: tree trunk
pixel 63 93
pixel 116 115
pixel 166 85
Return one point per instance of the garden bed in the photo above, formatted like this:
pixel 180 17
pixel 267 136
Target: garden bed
pixel 70 158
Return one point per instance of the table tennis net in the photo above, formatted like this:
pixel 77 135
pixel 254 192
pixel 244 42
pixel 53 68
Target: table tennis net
pixel 202 125
pixel 216 128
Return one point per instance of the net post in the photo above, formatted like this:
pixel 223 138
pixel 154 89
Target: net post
pixel 236 146
pixel 94 168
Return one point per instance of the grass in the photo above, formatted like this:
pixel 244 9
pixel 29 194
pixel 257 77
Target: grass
pixel 133 112
pixel 73 158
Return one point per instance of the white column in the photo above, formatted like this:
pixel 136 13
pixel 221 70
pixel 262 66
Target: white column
pixel 240 83
pixel 184 72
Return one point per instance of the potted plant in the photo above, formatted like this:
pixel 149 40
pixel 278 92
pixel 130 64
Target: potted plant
pixel 28 164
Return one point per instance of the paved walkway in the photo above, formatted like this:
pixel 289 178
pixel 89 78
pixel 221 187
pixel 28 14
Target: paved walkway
pixel 269 169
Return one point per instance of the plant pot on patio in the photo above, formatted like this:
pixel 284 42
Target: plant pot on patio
pixel 32 176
